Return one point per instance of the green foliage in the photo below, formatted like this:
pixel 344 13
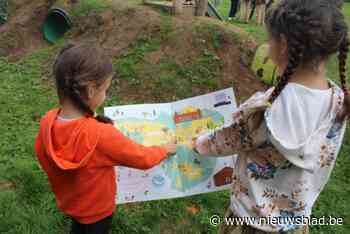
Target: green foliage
pixel 203 71
pixel 125 64
pixel 213 32
pixel 3 11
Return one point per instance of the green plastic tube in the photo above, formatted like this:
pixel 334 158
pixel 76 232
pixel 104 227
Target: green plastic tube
pixel 57 21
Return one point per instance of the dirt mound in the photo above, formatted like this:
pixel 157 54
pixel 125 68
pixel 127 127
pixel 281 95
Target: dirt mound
pixel 157 57
pixel 22 33
pixel 115 30
pixel 234 48
pixel 156 52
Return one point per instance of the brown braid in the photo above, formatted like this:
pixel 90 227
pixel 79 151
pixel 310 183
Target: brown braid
pixel 342 57
pixel 76 96
pixel 74 68
pixel 294 58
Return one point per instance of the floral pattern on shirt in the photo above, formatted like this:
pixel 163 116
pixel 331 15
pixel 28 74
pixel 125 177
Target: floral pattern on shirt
pixel 268 182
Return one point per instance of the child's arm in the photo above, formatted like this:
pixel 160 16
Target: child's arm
pixel 245 134
pixel 221 142
pixel 122 151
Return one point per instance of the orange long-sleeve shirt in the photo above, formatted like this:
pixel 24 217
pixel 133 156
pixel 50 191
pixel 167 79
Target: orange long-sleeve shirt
pixel 79 158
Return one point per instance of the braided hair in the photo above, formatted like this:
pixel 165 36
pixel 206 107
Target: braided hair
pixel 314 30
pixel 75 67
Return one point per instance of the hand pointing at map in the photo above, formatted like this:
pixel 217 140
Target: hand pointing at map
pixel 170 148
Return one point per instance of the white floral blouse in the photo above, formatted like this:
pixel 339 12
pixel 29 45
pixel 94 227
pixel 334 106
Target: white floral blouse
pixel 276 177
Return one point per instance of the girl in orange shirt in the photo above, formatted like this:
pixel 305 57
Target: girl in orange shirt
pixel 79 150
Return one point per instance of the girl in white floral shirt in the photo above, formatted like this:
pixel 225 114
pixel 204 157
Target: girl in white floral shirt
pixel 288 137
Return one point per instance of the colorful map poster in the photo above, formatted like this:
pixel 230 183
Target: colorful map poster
pixel 186 173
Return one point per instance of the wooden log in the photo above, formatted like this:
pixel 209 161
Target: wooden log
pixel 201 7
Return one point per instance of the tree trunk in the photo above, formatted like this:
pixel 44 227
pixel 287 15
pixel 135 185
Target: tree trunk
pixel 245 10
pixel 201 7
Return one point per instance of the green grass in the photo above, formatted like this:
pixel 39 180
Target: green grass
pixel 23 100
pixel 255 30
pixel 24 97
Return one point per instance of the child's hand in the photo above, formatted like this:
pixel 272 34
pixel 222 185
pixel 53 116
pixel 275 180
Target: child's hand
pixel 170 148
pixel 194 144
pixel 201 145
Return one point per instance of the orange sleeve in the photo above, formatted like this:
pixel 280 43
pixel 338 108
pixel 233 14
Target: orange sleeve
pixel 117 149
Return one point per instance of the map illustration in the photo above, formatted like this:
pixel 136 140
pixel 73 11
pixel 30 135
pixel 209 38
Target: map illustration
pixel 186 173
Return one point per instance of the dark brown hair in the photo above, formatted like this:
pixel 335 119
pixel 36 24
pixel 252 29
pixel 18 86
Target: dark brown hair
pixel 75 67
pixel 314 30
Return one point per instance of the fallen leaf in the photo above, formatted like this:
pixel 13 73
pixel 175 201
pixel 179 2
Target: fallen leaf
pixel 194 209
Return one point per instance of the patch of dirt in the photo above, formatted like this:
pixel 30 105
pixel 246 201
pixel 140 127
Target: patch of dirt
pixel 154 57
pixel 5 185
pixel 116 30
pixel 236 56
pixel 236 73
pixel 22 33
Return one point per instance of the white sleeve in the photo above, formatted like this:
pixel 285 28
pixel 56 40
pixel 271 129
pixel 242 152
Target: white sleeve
pixel 233 138
pixel 292 122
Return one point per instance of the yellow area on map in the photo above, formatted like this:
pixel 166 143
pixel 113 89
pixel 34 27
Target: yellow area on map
pixel 188 171
pixel 191 172
pixel 153 133
pixel 188 109
pixel 197 127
